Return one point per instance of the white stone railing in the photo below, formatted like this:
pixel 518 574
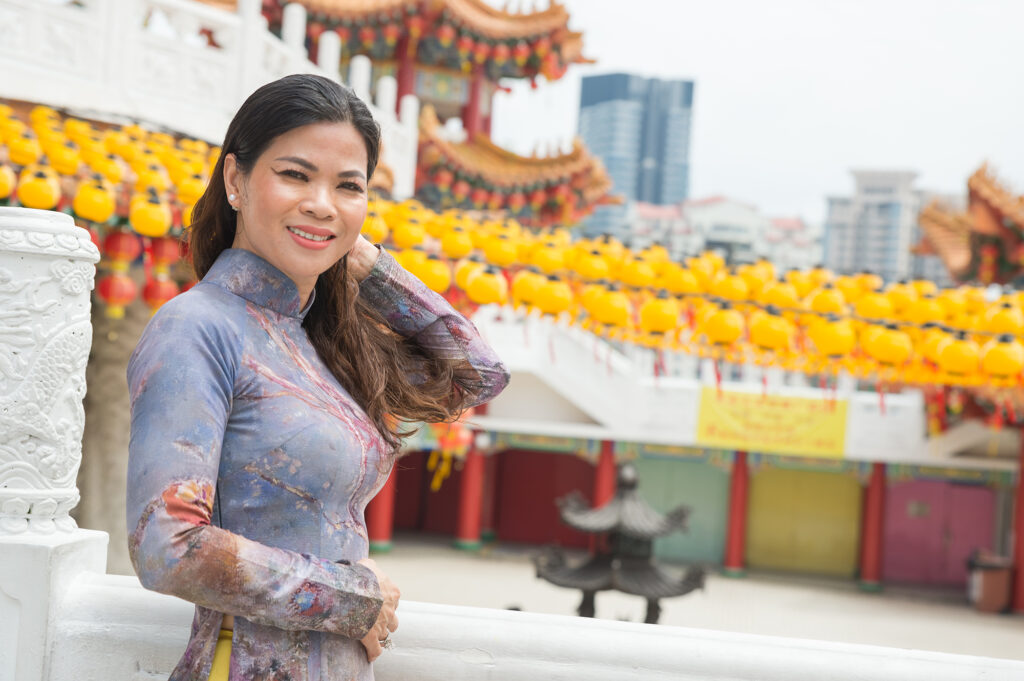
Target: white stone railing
pixel 146 60
pixel 110 629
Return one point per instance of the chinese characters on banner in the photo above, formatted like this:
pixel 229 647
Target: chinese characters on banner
pixel 771 424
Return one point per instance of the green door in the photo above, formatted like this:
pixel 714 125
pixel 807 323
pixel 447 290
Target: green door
pixel 668 483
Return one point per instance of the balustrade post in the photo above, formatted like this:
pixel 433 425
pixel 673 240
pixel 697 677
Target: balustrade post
pixel 46 273
pixel 293 28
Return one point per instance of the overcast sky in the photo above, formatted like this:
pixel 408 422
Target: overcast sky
pixel 791 94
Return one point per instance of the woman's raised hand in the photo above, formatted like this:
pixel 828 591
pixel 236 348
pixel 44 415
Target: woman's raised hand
pixel 387 619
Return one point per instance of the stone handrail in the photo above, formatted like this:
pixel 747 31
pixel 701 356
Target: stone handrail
pixel 111 629
pixel 151 61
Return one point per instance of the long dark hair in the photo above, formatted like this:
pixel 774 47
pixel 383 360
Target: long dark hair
pixel 375 365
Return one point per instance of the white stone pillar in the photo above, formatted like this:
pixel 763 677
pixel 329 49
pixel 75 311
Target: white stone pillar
pixel 47 269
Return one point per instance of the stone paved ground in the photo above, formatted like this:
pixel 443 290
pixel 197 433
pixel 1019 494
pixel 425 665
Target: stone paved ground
pixel 428 569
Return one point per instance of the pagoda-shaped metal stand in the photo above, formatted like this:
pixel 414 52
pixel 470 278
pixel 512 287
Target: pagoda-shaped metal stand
pixel 624 562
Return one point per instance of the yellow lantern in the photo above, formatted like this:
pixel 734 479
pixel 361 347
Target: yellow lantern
pixel 412 259
pixel 487 286
pixel 94 200
pixel 64 158
pixel 613 308
pixel 554 297
pixel 827 300
pixel 549 258
pixel 39 190
pixel 456 243
pixel 501 251
pixel 869 281
pixel 525 286
pixel 467 267
pixel 151 217
pixel 152 175
pixel 678 280
pixel 771 332
pixel 876 306
pixel 659 314
pixel 730 287
pixel 801 281
pixel 24 150
pixel 703 270
pixel 925 309
pixel 756 278
pixel 923 287
pixel 953 302
pixel 832 336
pixel 436 274
pixel 8 181
pixel 1004 318
pixel 959 356
pixel 724 326
pixel 850 287
pixel 407 233
pixel 591 265
pixel 781 294
pixel 889 346
pixel 935 336
pixel 637 273
pixel 109 167
pixel 819 276
pixel 901 295
pixel 1002 358
pixel 374 228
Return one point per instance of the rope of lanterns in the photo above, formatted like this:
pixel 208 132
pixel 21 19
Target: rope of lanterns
pixel 132 189
pixel 810 321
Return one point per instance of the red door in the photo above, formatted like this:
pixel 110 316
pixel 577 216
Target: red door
pixel 932 527
pixel 971 526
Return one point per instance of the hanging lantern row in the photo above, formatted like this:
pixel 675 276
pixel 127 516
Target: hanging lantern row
pixel 438 40
pixel 811 321
pixel 131 189
pixel 446 185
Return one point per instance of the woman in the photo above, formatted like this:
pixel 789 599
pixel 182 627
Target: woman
pixel 267 401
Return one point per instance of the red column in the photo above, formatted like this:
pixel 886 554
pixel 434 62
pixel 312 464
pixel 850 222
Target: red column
pixel 472 121
pixel 1018 536
pixel 406 75
pixel 470 497
pixel 872 531
pixel 604 477
pixel 380 516
pixel 489 510
pixel 735 541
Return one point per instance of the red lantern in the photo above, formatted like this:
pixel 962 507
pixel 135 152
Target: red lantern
pixel 496 201
pixel 520 53
pixel 367 36
pixel 480 197
pixel 121 248
pixel 314 29
pixel 443 179
pixel 165 251
pixel 446 35
pixel 481 52
pixel 415 24
pixel 460 190
pixel 117 290
pixel 501 53
pixel 542 46
pixel 391 33
pixel 344 33
pixel 158 291
pixel 464 45
pixel 516 201
pixel 537 199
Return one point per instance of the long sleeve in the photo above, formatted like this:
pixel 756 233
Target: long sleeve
pixel 182 379
pixel 414 311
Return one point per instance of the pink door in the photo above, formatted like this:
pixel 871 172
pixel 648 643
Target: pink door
pixel 971 526
pixel 932 527
pixel 914 520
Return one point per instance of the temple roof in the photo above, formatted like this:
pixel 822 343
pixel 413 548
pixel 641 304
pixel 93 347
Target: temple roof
pixel 947 234
pixel 503 168
pixel 626 513
pixel 983 186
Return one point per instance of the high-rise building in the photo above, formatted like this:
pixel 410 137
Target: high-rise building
pixel 876 227
pixel 640 128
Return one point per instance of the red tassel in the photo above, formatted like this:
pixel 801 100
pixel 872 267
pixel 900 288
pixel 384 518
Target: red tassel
pixel 718 378
pixel 764 386
pixel 881 400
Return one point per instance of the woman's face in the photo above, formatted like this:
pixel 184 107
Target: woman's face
pixel 303 203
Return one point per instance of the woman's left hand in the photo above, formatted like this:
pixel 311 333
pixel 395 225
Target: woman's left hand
pixel 362 258
pixel 387 619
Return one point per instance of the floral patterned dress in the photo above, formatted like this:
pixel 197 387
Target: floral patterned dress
pixel 250 466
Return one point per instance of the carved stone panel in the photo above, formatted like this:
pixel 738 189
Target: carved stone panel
pixel 47 269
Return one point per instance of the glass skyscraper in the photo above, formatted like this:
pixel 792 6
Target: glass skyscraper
pixel 640 128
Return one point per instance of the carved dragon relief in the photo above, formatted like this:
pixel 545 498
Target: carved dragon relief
pixel 45 337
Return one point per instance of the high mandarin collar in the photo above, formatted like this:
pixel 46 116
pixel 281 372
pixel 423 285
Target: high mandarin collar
pixel 249 276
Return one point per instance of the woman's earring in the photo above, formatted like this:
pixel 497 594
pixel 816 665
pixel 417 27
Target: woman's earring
pixel 231 199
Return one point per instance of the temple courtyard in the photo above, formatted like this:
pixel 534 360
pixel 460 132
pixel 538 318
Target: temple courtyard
pixel 502 576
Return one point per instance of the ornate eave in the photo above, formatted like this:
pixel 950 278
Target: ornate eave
pixel 947 234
